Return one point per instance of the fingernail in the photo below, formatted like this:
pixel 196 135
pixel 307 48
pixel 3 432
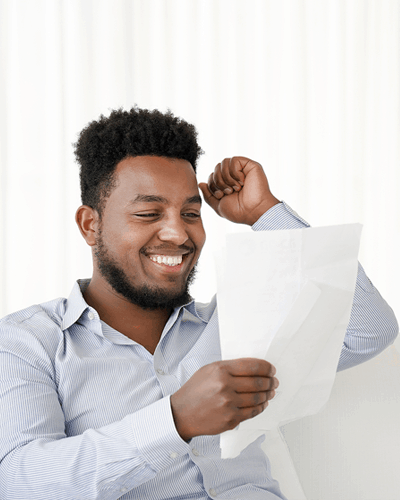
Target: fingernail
pixel 236 188
pixel 218 194
pixel 227 190
pixel 241 183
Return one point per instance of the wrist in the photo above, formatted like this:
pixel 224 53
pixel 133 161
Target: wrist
pixel 180 425
pixel 261 209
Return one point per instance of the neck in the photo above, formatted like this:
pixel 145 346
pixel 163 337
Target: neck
pixel 141 325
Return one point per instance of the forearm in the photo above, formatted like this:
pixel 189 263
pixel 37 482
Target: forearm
pixel 99 464
pixel 82 466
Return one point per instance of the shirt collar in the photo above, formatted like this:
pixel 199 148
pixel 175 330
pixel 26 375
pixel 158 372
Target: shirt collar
pixel 193 310
pixel 76 306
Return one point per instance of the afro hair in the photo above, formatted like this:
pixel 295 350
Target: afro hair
pixel 138 132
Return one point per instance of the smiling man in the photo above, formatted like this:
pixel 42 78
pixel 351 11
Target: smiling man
pixel 119 390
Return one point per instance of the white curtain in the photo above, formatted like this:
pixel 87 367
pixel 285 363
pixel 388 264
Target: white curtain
pixel 309 88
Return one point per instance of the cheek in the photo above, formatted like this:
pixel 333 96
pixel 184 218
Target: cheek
pixel 128 236
pixel 124 245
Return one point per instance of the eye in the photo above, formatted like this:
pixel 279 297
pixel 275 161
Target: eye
pixel 191 215
pixel 146 215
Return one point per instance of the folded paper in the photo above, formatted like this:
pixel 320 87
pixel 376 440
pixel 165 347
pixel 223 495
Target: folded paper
pixel 286 296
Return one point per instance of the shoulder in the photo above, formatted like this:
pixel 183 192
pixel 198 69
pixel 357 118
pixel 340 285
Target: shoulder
pixel 52 310
pixel 33 333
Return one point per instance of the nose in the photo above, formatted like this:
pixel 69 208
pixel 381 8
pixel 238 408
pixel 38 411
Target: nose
pixel 173 230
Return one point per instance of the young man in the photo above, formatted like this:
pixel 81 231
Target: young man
pixel 119 391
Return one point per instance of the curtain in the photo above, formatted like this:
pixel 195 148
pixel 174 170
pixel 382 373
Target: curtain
pixel 310 89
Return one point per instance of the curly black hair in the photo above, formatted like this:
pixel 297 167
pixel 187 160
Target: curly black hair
pixel 138 132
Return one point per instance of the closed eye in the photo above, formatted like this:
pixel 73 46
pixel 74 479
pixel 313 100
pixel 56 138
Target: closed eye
pixel 191 215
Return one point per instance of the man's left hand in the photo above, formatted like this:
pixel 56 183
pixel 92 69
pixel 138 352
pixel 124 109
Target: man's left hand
pixel 238 190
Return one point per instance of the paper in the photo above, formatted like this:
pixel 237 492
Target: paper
pixel 286 296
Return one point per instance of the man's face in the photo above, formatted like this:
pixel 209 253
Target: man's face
pixel 151 233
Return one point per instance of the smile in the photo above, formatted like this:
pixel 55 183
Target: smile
pixel 167 260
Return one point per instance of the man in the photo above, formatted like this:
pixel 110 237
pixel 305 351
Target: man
pixel 119 391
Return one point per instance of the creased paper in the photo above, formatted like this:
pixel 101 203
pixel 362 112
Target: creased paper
pixel 286 296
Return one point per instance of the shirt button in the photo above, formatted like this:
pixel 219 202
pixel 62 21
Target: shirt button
pixel 174 454
pixel 161 372
pixel 91 315
pixel 195 452
pixel 212 492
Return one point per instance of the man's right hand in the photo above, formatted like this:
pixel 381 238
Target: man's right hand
pixel 221 395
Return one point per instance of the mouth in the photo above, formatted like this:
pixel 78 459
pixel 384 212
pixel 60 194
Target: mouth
pixel 168 263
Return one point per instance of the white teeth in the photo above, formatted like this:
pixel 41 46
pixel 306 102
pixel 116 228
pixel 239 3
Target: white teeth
pixel 167 259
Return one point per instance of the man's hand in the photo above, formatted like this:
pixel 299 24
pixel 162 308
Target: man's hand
pixel 221 395
pixel 238 190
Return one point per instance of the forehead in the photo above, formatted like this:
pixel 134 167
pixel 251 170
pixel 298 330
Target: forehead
pixel 172 179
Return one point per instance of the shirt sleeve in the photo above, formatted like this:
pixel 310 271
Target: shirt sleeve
pixel 38 461
pixel 372 326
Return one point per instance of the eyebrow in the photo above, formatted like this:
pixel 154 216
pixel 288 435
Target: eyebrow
pixel 151 198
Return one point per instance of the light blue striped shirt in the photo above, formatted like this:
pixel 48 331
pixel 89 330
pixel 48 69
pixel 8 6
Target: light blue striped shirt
pixel 85 411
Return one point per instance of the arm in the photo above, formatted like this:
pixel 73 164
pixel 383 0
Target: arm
pixel 372 326
pixel 38 460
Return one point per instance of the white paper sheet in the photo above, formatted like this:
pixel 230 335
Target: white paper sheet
pixel 286 296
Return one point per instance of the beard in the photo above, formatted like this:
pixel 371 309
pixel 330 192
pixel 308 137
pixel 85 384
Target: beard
pixel 144 296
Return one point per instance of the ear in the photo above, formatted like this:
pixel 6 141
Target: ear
pixel 87 219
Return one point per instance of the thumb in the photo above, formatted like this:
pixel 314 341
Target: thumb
pixel 208 196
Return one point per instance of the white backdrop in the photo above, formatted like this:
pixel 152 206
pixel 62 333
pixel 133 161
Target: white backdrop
pixel 309 88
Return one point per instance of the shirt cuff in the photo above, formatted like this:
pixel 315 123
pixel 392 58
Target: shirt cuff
pixel 157 439
pixel 280 216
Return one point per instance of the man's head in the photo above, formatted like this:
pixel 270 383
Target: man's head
pixel 141 205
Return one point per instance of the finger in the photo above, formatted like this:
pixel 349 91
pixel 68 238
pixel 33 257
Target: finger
pixel 219 181
pixel 227 173
pixel 249 367
pixel 213 188
pixel 208 196
pixel 248 400
pixel 251 412
pixel 255 384
pixel 236 167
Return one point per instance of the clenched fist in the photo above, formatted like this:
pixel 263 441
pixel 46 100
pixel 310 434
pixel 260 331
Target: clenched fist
pixel 238 190
pixel 221 395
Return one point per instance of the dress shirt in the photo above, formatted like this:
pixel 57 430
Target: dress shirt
pixel 86 414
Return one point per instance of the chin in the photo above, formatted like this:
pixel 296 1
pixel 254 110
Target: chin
pixel 145 296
